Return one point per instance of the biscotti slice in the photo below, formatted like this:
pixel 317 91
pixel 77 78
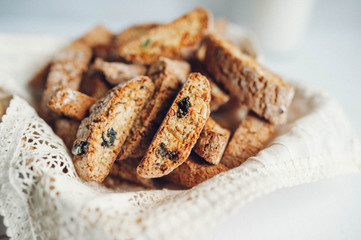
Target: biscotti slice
pixel 194 171
pixel 71 103
pixel 178 39
pixel 66 71
pixel 127 169
pixel 117 72
pixel 98 35
pixel 102 134
pixel 247 141
pixel 179 130
pixel 212 142
pixel 167 75
pixel 255 86
pixel 133 32
pixel 66 129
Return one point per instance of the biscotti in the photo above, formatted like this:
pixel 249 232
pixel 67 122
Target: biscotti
pixel 255 86
pixel 218 97
pixel 133 32
pixel 166 75
pixel 71 103
pixel 212 142
pixel 194 171
pixel 39 79
pixel 101 135
pixel 117 72
pixel 179 130
pixel 66 129
pixel 247 141
pixel 178 39
pixel 66 71
pixel 127 170
pixel 99 35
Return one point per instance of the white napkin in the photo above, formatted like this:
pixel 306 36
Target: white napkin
pixel 41 196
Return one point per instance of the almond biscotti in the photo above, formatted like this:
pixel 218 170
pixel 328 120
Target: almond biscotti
pixel 167 75
pixel 194 171
pixel 212 142
pixel 101 135
pixel 66 71
pixel 218 97
pixel 133 32
pixel 247 141
pixel 71 103
pixel 178 39
pixel 179 130
pixel 255 86
pixel 117 72
pixel 93 84
pixel 98 35
pixel 127 170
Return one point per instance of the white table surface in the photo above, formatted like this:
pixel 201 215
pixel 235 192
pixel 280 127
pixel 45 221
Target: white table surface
pixel 329 57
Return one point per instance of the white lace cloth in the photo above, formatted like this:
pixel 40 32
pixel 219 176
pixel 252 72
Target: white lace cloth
pixel 42 198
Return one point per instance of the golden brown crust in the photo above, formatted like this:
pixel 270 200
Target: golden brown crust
pixel 117 72
pixel 178 39
pixel 165 74
pixel 247 141
pixel 179 130
pixel 218 97
pixel 127 170
pixel 71 103
pixel 101 135
pixel 261 90
pixel 66 129
pixel 212 142
pixel 194 171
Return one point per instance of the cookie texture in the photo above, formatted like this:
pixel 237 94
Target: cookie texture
pixel 253 85
pixel 101 135
pixel 98 35
pixel 167 76
pixel 127 170
pixel 194 171
pixel 117 72
pixel 93 84
pixel 178 39
pixel 247 141
pixel 212 142
pixel 71 103
pixel 218 97
pixel 179 130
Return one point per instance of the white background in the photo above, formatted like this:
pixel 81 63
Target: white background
pixel 329 57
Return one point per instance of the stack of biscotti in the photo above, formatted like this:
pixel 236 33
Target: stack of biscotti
pixel 173 102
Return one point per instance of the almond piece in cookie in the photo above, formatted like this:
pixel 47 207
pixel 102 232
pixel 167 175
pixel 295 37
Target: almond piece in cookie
pixel 212 142
pixel 127 169
pixel 101 135
pixel 247 141
pixel 179 130
pixel 194 171
pixel 167 75
pixel 66 129
pixel 178 39
pixel 71 103
pixel 117 72
pixel 253 85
